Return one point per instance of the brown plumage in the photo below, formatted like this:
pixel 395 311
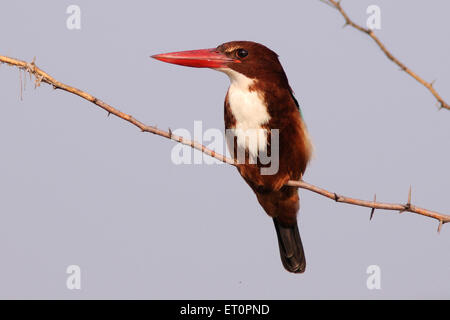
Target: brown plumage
pixel 279 202
pixel 260 97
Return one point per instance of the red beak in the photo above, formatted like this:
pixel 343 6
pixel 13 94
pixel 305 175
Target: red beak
pixel 204 58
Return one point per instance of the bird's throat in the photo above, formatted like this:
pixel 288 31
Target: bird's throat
pixel 250 112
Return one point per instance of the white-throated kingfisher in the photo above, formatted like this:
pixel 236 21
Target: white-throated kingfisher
pixel 260 98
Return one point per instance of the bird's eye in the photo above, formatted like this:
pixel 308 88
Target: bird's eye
pixel 242 53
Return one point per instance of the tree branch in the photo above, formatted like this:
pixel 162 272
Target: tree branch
pixel 41 76
pixel 429 85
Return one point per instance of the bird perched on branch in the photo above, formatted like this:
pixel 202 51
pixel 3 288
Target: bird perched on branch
pixel 265 120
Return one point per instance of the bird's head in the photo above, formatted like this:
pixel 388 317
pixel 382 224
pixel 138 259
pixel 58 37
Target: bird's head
pixel 251 59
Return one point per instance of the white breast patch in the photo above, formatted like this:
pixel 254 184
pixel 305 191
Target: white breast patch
pixel 250 111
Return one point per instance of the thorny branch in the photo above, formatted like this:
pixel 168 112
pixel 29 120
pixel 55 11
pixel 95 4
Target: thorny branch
pixel 41 76
pixel 348 22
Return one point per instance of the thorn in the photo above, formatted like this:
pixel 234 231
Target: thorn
pixel 21 85
pixel 409 197
pixel 371 214
pixel 109 113
pixel 373 209
pixel 407 206
pixel 345 24
pixel 440 226
pixel 170 133
pixel 336 197
pixel 432 82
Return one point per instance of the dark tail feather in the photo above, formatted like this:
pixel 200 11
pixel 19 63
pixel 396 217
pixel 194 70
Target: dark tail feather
pixel 291 248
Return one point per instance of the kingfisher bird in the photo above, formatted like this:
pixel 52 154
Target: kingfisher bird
pixel 260 99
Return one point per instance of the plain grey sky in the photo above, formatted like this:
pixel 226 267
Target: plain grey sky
pixel 79 188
